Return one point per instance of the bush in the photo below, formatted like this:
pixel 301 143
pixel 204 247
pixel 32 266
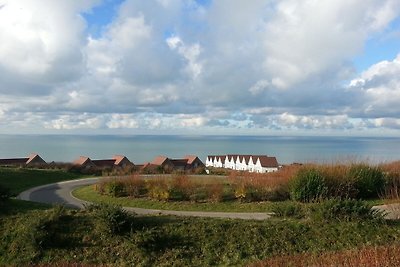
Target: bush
pixel 289 209
pixel 111 219
pixel 115 188
pixel 134 186
pixel 339 183
pixel 345 210
pixel 158 189
pixel 308 186
pixel 32 234
pixel 369 181
pixel 182 188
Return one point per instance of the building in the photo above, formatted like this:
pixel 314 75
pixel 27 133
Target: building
pixel 251 163
pixel 118 161
pixel 31 160
pixel 187 163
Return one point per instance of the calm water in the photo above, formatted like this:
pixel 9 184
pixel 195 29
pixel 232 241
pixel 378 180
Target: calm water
pixel 139 149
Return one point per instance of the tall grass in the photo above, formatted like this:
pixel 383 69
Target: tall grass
pixel 379 256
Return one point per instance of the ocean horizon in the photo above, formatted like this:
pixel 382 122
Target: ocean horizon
pixel 143 148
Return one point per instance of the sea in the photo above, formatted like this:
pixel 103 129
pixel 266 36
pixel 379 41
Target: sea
pixel 143 148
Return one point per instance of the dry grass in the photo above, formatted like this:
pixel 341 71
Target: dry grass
pixel 383 256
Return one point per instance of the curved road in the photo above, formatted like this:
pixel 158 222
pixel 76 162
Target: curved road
pixel 60 193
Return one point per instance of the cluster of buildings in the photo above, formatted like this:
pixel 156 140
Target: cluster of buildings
pixel 160 163
pixel 189 163
pixel 251 163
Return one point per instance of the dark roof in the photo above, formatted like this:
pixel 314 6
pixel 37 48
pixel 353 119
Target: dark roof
pixel 268 162
pixel 179 162
pixel 104 162
pixel 14 161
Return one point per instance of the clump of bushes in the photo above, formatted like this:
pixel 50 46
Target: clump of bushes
pixel 309 183
pixel 253 187
pixel 308 186
pixel 110 219
pixel 360 181
pixel 345 210
pixel 158 189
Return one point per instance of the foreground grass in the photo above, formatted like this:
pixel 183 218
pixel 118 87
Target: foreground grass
pixel 57 236
pixel 20 179
pixel 88 193
pixel 369 256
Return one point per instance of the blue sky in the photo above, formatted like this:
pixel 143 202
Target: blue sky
pixel 329 67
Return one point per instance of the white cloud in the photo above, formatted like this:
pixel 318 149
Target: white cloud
pixel 42 41
pixel 165 65
pixel 379 90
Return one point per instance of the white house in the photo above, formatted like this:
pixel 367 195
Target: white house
pixel 215 161
pixel 251 163
pixel 210 161
pixel 266 164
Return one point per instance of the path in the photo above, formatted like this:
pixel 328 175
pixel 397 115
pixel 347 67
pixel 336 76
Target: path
pixel 60 193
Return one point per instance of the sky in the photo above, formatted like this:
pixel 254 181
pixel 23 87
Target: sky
pixel 262 67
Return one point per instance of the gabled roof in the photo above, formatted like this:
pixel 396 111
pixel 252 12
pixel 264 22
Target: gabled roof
pixel 33 157
pixel 246 158
pixel 82 160
pixel 190 158
pixel 230 156
pixel 268 162
pixel 222 158
pixel 159 160
pixel 119 158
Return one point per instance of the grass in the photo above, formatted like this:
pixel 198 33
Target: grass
pixel 35 234
pixel 21 179
pixel 89 194
pixel 65 237
pixel 370 256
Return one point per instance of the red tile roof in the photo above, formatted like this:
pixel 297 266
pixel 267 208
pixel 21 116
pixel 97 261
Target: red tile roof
pixel 159 160
pixel 81 160
pixel 190 158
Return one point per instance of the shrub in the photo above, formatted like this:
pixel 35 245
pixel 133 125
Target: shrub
pixel 345 210
pixel 182 188
pixel 289 209
pixel 33 233
pixel 158 189
pixel 134 186
pixel 115 188
pixel 214 192
pixel 369 181
pixel 339 183
pixel 110 219
pixel 308 186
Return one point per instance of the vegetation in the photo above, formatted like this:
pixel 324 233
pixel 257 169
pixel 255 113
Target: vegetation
pixel 329 225
pixel 17 180
pixel 107 235
pixel 371 256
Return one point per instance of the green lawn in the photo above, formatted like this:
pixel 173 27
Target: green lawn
pixel 18 180
pixel 88 193
pixel 82 237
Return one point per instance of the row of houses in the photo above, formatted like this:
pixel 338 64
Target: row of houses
pixel 31 160
pixel 159 163
pixel 187 163
pixel 251 163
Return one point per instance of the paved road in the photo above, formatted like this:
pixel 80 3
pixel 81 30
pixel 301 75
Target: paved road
pixel 60 193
